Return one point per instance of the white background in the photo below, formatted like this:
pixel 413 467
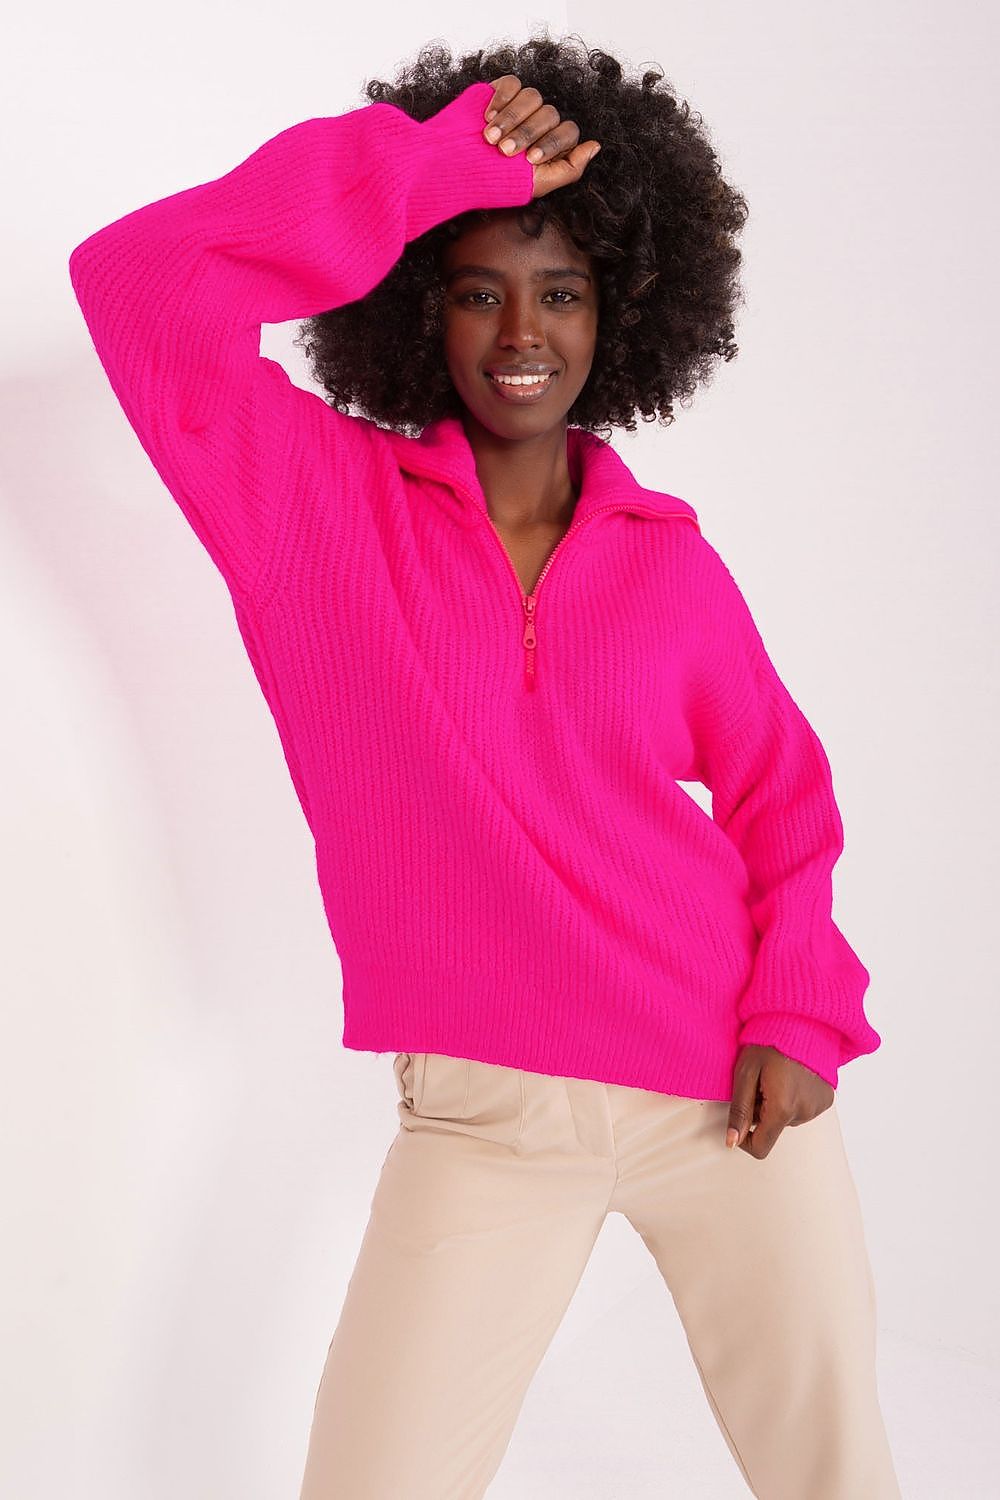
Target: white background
pixel 189 1153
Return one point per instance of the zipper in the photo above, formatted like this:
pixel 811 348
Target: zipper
pixel 529 602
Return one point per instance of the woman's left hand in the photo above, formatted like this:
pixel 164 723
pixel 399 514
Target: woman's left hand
pixel 771 1091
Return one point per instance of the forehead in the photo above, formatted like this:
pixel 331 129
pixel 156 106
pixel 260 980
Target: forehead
pixel 501 241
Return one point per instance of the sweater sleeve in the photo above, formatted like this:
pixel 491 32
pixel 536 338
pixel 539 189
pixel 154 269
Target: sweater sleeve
pixel 772 794
pixel 174 295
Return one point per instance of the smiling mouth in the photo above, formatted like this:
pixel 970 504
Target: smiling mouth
pixel 530 392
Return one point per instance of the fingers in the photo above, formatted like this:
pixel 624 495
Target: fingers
pixel 550 175
pixel 541 130
pixel 504 90
pixel 519 119
pixel 771 1121
pixel 512 105
pixel 569 167
pixel 550 140
pixel 522 121
pixel 742 1107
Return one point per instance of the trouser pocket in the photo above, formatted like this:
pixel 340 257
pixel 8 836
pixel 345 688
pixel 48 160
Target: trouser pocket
pixel 406 1066
pixel 440 1092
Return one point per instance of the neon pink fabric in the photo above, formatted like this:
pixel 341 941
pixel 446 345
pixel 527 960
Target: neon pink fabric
pixel 509 867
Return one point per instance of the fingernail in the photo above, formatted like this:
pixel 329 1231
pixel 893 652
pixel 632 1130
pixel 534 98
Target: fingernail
pixel 493 133
pixel 535 154
pixel 508 146
pixel 490 112
pixel 732 1136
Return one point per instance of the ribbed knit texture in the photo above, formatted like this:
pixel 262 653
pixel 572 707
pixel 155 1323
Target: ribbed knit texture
pixel 509 869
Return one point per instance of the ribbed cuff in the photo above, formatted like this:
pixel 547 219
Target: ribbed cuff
pixel 812 1043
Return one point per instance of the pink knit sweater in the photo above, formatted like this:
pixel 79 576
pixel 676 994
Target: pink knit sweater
pixel 509 868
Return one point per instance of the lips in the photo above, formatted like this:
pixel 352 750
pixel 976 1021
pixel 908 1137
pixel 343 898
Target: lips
pixel 522 393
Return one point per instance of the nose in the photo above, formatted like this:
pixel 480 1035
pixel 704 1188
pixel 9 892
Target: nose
pixel 520 324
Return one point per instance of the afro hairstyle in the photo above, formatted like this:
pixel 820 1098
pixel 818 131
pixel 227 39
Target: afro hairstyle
pixel 652 210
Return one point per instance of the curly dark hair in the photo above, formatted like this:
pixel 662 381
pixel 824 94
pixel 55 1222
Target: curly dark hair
pixel 652 210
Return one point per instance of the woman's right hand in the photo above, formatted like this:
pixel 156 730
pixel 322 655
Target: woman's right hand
pixel 533 126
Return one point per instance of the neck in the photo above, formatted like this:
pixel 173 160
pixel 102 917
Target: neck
pixel 526 481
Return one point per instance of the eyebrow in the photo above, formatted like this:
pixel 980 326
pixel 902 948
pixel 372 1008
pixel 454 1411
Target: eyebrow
pixel 498 275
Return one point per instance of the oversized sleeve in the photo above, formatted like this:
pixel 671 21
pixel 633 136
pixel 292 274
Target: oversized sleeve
pixel 772 794
pixel 174 295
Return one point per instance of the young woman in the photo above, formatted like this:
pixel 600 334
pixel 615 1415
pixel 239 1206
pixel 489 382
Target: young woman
pixel 491 655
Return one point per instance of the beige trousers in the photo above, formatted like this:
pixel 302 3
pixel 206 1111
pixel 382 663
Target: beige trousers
pixel 486 1210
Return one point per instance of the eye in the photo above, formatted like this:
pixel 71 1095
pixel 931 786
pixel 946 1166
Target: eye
pixel 556 292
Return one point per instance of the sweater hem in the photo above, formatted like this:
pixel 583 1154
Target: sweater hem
pixel 394 1012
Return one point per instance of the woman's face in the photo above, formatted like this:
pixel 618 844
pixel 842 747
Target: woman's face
pixel 512 300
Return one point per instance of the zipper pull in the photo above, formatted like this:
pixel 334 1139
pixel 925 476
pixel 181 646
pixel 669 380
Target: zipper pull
pixel 529 640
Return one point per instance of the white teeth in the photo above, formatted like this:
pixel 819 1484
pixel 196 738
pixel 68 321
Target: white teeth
pixel 522 379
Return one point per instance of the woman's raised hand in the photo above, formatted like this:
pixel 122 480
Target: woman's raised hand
pixel 521 121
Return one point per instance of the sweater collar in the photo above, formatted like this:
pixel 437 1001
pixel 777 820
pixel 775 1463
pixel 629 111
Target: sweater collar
pixel 443 452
